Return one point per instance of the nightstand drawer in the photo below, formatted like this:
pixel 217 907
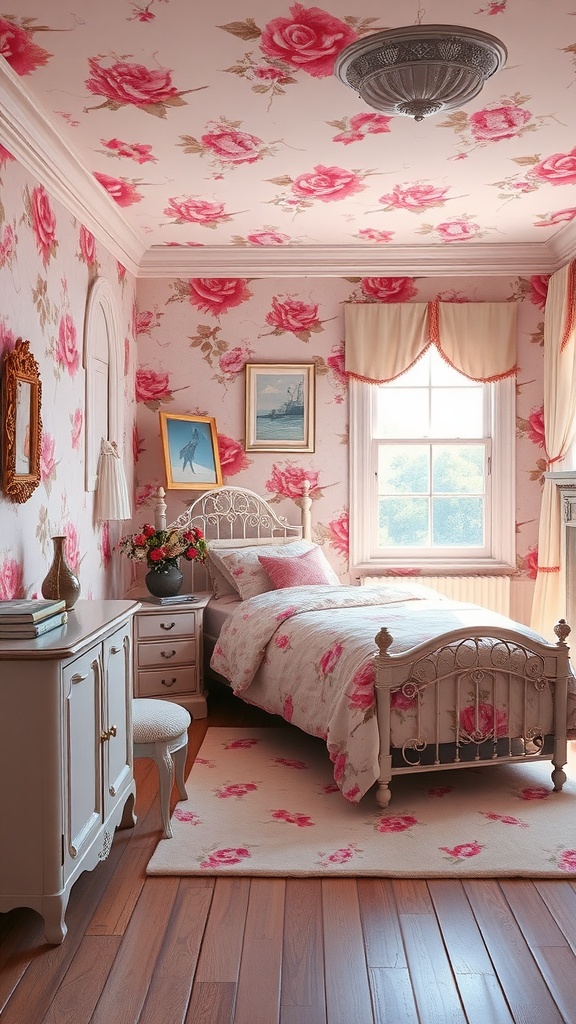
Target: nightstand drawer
pixel 165 624
pixel 167 683
pixel 169 652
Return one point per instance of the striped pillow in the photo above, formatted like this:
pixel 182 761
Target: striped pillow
pixel 308 570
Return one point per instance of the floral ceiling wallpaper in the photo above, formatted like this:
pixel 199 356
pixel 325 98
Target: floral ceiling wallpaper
pixel 223 125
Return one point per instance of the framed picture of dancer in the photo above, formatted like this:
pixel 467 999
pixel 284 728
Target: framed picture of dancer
pixel 280 407
pixel 191 457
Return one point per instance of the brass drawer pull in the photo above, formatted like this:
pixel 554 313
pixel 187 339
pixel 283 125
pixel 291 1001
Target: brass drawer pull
pixel 171 683
pixel 167 625
pixel 167 654
pixel 108 733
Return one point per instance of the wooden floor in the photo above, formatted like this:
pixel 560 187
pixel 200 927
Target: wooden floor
pixel 288 951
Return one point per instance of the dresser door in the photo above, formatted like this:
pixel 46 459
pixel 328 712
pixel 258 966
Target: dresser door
pixel 83 796
pixel 117 716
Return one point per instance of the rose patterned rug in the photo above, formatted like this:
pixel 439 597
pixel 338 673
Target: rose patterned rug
pixel 264 802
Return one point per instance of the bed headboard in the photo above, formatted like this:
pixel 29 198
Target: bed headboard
pixel 235 513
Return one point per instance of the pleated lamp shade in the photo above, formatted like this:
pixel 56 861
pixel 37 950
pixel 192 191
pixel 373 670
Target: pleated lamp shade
pixel 112 501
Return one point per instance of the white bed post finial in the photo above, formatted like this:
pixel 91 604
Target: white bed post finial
pixel 160 510
pixel 306 508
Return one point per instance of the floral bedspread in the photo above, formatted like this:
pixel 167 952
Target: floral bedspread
pixel 308 654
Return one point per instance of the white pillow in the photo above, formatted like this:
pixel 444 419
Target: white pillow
pixel 223 583
pixel 250 577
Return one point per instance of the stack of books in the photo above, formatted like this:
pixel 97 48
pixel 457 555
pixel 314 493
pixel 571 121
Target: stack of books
pixel 27 619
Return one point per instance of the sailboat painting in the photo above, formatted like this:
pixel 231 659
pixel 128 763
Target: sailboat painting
pixel 280 400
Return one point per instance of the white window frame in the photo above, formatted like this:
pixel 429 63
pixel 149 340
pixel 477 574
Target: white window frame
pixel 501 544
pixel 103 364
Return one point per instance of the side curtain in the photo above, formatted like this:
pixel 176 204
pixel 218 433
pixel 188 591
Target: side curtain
pixel 559 432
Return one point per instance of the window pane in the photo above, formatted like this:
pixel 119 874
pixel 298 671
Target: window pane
pixel 403 522
pixel 458 522
pixel 402 413
pixel 444 375
pixel 458 469
pixel 403 469
pixel 457 412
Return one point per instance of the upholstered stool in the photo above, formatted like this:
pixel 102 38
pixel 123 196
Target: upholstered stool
pixel 160 732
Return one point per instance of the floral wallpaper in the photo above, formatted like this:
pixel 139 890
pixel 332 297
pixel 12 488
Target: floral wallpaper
pixel 195 336
pixel 48 262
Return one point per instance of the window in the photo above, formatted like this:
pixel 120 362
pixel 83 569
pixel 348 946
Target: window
pixel 104 377
pixel 432 471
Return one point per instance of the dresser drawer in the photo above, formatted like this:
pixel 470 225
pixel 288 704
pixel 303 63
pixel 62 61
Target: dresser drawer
pixel 167 653
pixel 164 624
pixel 170 682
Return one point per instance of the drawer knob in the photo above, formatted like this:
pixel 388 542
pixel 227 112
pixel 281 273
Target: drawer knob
pixel 108 733
pixel 167 625
pixel 167 654
pixel 166 682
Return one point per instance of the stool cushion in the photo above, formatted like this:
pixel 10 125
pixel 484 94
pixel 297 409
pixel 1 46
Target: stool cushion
pixel 157 720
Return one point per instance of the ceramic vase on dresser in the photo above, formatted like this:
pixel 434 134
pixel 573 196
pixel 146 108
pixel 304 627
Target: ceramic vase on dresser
pixel 165 582
pixel 60 583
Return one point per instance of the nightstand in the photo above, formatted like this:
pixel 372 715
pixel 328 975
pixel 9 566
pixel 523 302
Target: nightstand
pixel 168 649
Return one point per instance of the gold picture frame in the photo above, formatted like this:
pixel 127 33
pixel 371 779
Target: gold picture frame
pixel 280 407
pixel 191 456
pixel 22 423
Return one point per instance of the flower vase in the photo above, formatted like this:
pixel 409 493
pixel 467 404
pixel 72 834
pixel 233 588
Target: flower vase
pixel 165 582
pixel 61 583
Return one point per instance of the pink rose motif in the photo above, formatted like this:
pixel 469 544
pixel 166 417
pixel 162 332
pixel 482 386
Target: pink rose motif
pixel 232 146
pixel 531 563
pixel 457 230
pixel 352 794
pixel 67 354
pixel 536 431
pixel 308 41
pixel 286 614
pixel 282 642
pixel 328 184
pixel 188 816
pixel 340 763
pixel 291 818
pixel 558 217
pixel 539 289
pixel 361 125
pixel 330 658
pixel 293 315
pixel 288 708
pixel 236 789
pixel 558 169
pixel 373 235
pixel 225 857
pixel 105 546
pixel 5 154
pixel 505 819
pixel 534 793
pixel 121 191
pixel 122 83
pixel 233 458
pixel 77 424
pixel 47 460
pixel 340 856
pixel 267 73
pixel 414 197
pixel 402 701
pixel 464 850
pixel 339 534
pixel 145 321
pixel 11 579
pixel 244 744
pixel 232 361
pixel 388 289
pixel 72 546
pixel 494 123
pixel 196 211
pixel 18 50
pixel 137 447
pixel 43 223
pixel 7 246
pixel 291 763
pixel 7 339
pixel 362 696
pixel 439 791
pixel 152 386
pixel 567 860
pixel 268 238
pixel 395 823
pixel 218 295
pixel 480 723
pixel 289 482
pixel 87 247
pixel 137 151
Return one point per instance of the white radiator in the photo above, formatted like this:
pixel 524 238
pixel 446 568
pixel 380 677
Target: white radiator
pixel 490 591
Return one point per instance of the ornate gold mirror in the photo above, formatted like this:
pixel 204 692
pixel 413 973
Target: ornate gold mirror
pixel 22 424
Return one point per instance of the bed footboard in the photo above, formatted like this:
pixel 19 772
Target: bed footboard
pixel 469 698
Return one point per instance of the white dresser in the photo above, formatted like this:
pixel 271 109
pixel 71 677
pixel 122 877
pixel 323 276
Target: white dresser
pixel 168 653
pixel 65 755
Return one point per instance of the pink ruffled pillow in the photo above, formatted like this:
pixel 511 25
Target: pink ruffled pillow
pixel 308 570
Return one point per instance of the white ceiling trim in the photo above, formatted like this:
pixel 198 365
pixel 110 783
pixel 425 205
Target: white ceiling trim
pixel 28 135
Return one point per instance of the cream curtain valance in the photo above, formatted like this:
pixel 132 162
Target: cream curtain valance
pixel 384 339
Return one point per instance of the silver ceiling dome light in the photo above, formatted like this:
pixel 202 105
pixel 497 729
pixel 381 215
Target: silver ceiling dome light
pixel 421 69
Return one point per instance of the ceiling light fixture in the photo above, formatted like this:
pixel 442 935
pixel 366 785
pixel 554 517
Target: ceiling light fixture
pixel 421 69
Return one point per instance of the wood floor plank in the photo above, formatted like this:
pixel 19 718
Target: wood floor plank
pixel 532 915
pixel 258 995
pixel 527 993
pixel 127 986
pixel 380 923
pixel 212 1003
pixel 171 984
pixel 348 999
pixel 302 995
pixel 559 971
pixel 560 899
pixel 435 990
pixel 412 896
pixel 82 985
pixel 222 946
pixel 23 937
pixel 392 995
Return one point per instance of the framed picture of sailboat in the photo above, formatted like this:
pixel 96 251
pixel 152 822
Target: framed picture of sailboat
pixel 280 407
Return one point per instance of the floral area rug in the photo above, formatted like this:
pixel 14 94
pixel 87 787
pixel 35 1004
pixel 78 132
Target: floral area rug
pixel 264 802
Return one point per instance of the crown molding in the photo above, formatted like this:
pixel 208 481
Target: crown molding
pixel 26 133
